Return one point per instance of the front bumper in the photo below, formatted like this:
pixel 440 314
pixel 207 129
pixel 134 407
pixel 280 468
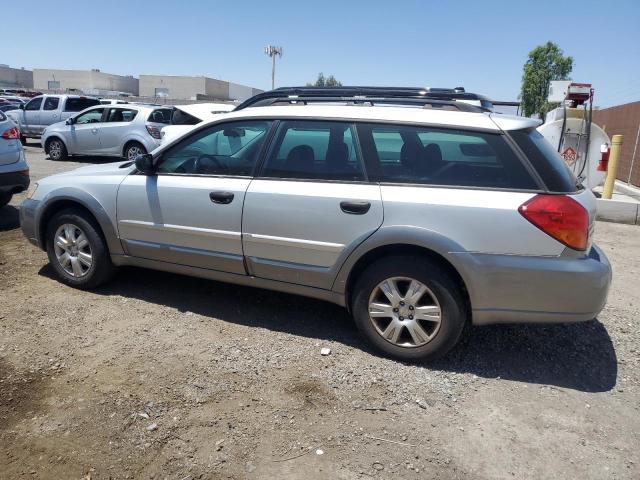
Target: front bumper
pixel 518 289
pixel 28 211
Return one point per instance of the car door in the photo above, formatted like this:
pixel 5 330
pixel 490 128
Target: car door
pixel 116 123
pixel 84 132
pixel 190 212
pixel 50 112
pixel 310 206
pixel 31 116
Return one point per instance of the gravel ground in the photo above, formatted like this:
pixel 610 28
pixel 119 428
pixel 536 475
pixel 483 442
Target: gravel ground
pixel 163 376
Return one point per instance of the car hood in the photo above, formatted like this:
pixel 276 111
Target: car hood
pixel 102 170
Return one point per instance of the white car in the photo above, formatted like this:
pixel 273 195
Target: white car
pixel 185 116
pixel 108 130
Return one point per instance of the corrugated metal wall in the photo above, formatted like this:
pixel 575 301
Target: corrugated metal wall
pixel 624 120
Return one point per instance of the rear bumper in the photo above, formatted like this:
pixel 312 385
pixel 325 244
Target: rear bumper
pixel 517 289
pixel 14 182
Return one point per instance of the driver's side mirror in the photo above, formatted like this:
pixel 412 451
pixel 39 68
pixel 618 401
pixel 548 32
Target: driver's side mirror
pixel 21 106
pixel 144 164
pixel 70 121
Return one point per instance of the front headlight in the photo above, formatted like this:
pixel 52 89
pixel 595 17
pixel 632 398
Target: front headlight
pixel 32 189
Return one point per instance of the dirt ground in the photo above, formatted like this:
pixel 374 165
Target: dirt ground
pixel 161 376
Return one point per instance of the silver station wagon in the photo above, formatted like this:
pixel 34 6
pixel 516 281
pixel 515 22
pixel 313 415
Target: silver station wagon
pixel 421 211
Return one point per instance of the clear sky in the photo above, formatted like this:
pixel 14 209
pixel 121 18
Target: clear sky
pixel 480 45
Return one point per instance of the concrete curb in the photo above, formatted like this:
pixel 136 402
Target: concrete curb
pixel 619 211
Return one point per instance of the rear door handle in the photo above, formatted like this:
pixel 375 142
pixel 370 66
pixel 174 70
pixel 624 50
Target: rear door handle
pixel 221 197
pixel 355 208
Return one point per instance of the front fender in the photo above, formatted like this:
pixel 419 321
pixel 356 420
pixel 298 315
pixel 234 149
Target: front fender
pixel 86 200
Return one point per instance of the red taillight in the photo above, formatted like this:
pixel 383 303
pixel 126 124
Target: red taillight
pixel 154 132
pixel 603 164
pixel 11 134
pixel 559 216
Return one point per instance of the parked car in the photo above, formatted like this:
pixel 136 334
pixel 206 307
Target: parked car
pixel 5 107
pixel 419 213
pixel 107 130
pixel 14 172
pixel 45 110
pixel 185 116
pixel 13 99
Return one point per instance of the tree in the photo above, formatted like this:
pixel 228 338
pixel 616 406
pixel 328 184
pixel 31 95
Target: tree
pixel 329 81
pixel 545 63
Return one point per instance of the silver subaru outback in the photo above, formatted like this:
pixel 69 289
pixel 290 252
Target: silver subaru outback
pixel 421 211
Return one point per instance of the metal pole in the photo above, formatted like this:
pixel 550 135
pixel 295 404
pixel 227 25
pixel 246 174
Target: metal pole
pixel 633 157
pixel 273 71
pixel 616 146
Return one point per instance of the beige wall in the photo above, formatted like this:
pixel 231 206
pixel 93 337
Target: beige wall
pixel 179 87
pixel 84 80
pixel 15 77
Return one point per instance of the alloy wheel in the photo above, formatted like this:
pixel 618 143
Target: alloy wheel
pixel 73 250
pixel 405 312
pixel 55 150
pixel 133 152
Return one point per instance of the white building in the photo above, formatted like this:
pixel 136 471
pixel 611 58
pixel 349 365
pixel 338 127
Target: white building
pixel 88 81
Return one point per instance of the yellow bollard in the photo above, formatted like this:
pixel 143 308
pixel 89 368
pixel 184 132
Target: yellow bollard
pixel 616 145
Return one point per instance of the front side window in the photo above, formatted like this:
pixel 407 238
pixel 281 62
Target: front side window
pixel 34 104
pixel 223 149
pixel 51 103
pixel 92 116
pixel 77 104
pixel 314 150
pixel 415 154
pixel 121 115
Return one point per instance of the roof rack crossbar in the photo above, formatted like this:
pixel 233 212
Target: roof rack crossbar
pixel 378 94
pixel 399 101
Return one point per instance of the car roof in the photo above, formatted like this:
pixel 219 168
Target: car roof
pixel 392 114
pixel 204 111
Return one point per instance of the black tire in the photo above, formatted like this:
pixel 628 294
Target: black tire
pixel 5 198
pixel 23 140
pixel 56 149
pixel 129 149
pixel 101 269
pixel 445 289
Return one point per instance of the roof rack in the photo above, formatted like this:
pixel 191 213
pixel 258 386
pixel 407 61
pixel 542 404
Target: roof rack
pixel 446 98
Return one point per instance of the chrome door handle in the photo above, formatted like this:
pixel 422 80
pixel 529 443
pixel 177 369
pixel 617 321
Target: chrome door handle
pixel 355 208
pixel 223 198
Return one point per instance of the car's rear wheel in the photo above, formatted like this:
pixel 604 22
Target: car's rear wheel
pixel 5 198
pixel 77 252
pixel 23 140
pixel 409 308
pixel 56 149
pixel 132 150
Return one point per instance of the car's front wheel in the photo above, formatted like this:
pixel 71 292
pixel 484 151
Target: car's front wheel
pixel 132 150
pixel 76 250
pixel 409 308
pixel 56 149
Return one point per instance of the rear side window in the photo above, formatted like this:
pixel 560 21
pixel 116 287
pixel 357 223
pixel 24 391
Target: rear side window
pixel 546 160
pixel 51 103
pixel 77 104
pixel 162 115
pixel 183 118
pixel 314 150
pixel 434 156
pixel 121 115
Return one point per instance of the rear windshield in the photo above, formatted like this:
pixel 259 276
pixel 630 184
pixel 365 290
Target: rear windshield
pixel 161 115
pixel 546 160
pixel 183 118
pixel 79 104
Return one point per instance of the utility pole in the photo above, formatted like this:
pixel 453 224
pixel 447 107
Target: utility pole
pixel 272 52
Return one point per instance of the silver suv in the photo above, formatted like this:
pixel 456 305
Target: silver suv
pixel 417 211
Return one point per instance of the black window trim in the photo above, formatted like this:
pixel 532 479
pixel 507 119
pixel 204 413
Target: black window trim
pixel 259 173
